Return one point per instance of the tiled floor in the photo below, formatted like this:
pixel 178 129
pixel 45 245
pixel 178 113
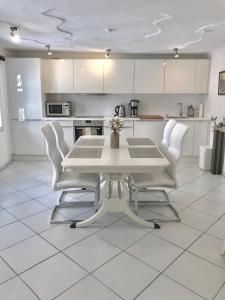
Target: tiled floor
pixel 115 258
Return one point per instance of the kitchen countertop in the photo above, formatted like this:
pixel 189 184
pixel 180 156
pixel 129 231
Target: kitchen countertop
pixel 72 118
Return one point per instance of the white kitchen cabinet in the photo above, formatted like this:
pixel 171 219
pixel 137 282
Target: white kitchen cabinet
pixel 201 135
pixel 118 76
pixel 180 76
pixel 149 76
pixel 58 75
pixel 88 75
pixel 27 138
pixel 152 129
pixel 24 87
pixel 201 76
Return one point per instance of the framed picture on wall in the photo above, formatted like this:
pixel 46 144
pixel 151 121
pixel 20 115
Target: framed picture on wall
pixel 221 84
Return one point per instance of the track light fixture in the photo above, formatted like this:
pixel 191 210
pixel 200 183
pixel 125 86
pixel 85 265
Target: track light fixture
pixel 107 53
pixel 49 50
pixel 14 34
pixel 176 55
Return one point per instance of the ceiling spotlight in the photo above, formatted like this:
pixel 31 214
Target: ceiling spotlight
pixel 107 53
pixel 176 55
pixel 49 50
pixel 14 34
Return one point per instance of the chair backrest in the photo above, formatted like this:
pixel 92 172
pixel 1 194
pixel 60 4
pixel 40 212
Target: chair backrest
pixel 61 144
pixel 166 135
pixel 53 153
pixel 175 148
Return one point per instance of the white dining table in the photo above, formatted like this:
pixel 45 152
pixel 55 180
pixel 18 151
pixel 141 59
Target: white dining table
pixel 93 154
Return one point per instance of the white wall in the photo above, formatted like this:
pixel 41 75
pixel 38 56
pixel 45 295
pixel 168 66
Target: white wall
pixel 149 104
pixel 215 104
pixel 5 145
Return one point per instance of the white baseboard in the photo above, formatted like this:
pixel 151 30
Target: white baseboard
pixel 6 164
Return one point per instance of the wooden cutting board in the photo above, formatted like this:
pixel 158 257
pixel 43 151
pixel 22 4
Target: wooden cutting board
pixel 151 117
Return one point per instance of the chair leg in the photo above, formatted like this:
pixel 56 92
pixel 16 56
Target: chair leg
pixel 152 203
pixel 73 204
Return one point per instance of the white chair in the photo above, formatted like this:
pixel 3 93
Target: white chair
pixel 68 180
pixel 166 179
pixel 166 135
pixel 60 141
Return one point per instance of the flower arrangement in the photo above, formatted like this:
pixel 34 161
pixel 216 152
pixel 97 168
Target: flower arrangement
pixel 217 125
pixel 115 124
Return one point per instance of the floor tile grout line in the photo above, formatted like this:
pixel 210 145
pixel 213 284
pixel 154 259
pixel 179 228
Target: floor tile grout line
pixel 146 233
pixel 27 285
pixel 213 298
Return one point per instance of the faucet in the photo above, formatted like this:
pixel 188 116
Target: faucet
pixel 180 109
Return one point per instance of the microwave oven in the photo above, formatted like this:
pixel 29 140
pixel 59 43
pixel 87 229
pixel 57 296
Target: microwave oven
pixel 58 109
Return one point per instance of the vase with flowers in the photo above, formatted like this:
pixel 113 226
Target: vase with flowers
pixel 115 124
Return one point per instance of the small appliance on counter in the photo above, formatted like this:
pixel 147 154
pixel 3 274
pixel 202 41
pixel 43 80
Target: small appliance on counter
pixel 58 109
pixel 133 107
pixel 120 110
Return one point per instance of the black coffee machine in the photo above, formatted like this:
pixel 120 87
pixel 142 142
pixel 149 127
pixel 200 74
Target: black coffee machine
pixel 133 107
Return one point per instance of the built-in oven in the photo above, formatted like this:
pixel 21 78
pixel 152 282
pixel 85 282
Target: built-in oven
pixel 87 127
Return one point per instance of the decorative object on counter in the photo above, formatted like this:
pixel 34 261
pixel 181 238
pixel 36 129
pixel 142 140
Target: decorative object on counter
pixel 115 124
pixel 201 111
pixel 120 111
pixel 221 83
pixel 218 146
pixel 191 111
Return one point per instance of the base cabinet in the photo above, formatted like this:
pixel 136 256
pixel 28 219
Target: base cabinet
pixel 127 130
pixel 153 129
pixel 27 138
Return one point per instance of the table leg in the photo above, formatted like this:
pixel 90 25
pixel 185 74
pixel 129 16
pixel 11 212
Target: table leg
pixel 112 203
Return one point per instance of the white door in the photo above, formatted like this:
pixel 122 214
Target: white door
pixel 201 135
pixel 201 76
pixel 151 129
pixel 118 76
pixel 88 75
pixel 58 75
pixel 149 76
pixel 24 87
pixel 179 76
pixel 27 138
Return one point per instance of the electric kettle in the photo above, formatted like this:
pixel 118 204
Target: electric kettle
pixel 120 110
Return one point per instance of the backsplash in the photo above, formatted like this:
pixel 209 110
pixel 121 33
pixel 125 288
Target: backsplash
pixel 149 104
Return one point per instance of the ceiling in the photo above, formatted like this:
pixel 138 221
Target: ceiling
pixel 125 26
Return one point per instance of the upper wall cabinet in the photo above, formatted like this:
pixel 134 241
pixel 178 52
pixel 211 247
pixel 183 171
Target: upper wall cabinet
pixel 201 76
pixel 88 75
pixel 58 75
pixel 180 76
pixel 118 76
pixel 24 87
pixel 149 76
